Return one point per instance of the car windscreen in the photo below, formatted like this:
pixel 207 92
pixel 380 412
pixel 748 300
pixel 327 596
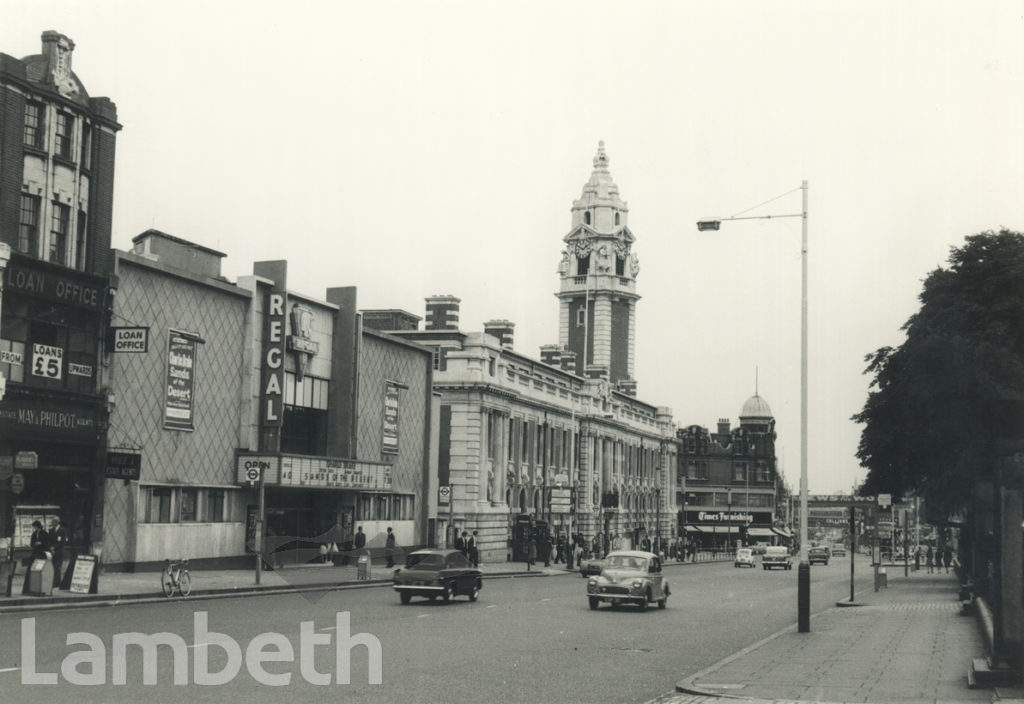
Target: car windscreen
pixel 624 562
pixel 424 562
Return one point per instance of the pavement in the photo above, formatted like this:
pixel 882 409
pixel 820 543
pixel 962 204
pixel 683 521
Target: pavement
pixel 906 643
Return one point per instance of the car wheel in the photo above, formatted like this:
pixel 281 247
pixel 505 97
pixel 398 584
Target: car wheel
pixel 594 602
pixel 475 592
pixel 447 593
pixel 406 597
pixel 663 602
pixel 643 602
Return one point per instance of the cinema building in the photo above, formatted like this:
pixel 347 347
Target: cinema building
pixel 56 194
pixel 222 387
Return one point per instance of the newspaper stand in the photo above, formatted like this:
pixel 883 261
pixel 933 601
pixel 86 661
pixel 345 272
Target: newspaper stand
pixel 40 578
pixel 363 566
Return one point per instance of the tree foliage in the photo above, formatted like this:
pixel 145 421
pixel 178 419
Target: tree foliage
pixel 944 404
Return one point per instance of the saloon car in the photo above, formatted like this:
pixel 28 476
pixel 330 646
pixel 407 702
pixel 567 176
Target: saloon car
pixel 818 553
pixel 437 573
pixel 776 556
pixel 591 566
pixel 629 577
pixel 744 558
pixel 838 551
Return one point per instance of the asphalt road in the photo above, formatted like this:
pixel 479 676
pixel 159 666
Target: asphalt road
pixel 526 640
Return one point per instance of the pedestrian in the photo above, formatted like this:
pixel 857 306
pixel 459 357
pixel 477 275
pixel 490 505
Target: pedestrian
pixel 58 539
pixel 947 557
pixel 917 558
pixel 360 539
pixel 560 549
pixel 472 551
pixel 531 552
pixel 928 559
pixel 389 547
pixel 39 542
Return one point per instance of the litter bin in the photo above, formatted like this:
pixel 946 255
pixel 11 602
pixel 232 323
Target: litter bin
pixel 363 566
pixel 881 580
pixel 40 578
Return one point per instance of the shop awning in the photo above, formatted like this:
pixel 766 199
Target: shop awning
pixel 783 532
pixel 761 532
pixel 693 529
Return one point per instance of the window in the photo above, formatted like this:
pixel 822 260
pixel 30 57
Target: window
pixel 33 135
pixel 697 470
pixel 581 317
pixel 583 265
pixel 158 504
pixel 62 143
pixel 215 506
pixel 80 241
pixel 28 233
pixel 189 502
pixel 86 160
pixel 59 233
pixel 304 427
pixel 586 217
pixel 739 472
pixel 616 219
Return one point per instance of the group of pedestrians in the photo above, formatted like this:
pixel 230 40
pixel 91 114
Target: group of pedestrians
pixel 49 545
pixel 937 559
pixel 467 545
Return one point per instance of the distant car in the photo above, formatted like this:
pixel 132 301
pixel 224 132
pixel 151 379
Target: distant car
pixel 818 554
pixel 759 548
pixel 629 577
pixel 776 556
pixel 437 573
pixel 838 551
pixel 744 558
pixel 590 567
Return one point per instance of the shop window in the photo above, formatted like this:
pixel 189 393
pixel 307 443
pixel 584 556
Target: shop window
pixel 366 508
pixel 158 504
pixel 12 359
pixel 189 503
pixel 216 507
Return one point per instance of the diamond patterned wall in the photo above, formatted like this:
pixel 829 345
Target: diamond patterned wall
pixel 152 298
pixel 383 360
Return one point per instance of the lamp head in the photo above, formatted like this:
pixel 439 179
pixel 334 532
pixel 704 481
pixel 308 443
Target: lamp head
pixel 704 225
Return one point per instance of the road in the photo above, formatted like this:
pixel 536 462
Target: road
pixel 528 639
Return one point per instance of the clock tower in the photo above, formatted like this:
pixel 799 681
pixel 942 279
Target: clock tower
pixel 597 298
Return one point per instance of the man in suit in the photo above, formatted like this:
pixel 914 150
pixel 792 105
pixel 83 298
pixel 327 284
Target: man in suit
pixel 58 539
pixel 472 552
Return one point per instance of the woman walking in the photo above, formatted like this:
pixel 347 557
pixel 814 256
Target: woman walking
pixel 928 559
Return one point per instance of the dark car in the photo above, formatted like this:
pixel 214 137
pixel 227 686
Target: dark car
pixel 437 573
pixel 818 554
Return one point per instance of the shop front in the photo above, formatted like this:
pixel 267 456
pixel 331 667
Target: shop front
pixel 728 529
pixel 315 502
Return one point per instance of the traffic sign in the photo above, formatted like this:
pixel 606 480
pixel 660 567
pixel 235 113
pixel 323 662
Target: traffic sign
pixel 252 474
pixel 884 500
pixel 444 495
pixel 17 482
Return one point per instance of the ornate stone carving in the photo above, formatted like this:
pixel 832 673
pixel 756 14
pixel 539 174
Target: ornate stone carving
pixel 634 265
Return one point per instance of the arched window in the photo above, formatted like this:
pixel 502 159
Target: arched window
pixel 586 217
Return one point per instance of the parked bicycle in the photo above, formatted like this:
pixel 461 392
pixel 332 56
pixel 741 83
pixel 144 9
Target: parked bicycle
pixel 175 578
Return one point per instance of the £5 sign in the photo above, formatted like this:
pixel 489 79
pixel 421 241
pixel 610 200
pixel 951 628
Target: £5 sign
pixel 47 361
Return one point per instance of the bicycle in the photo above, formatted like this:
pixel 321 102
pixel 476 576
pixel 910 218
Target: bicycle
pixel 175 578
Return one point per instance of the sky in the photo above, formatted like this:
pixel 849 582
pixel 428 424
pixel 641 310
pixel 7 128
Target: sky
pixel 414 148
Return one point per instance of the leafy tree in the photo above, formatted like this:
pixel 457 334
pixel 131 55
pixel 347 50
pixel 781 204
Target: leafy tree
pixel 946 403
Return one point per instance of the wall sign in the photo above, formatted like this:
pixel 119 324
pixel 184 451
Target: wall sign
pixel 123 465
pixel 178 402
pixel 47 361
pixel 389 440
pixel 83 577
pixel 272 386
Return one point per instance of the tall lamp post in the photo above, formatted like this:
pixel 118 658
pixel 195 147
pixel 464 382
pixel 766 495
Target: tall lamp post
pixel 804 582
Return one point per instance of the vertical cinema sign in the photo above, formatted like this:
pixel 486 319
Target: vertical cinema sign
pixel 272 360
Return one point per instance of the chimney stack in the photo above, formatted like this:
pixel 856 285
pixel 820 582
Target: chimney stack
pixel 723 426
pixel 442 313
pixel 501 329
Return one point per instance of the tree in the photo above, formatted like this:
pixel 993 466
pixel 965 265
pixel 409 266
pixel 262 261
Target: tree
pixel 935 419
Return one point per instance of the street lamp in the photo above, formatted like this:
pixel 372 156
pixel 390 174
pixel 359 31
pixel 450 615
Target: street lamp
pixel 804 582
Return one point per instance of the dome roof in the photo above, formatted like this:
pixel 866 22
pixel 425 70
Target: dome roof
pixel 756 407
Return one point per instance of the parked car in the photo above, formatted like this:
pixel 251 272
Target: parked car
pixel 590 567
pixel 819 553
pixel 437 573
pixel 838 551
pixel 776 556
pixel 744 558
pixel 629 577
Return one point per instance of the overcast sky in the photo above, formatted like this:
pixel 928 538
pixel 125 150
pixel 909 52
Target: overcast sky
pixel 414 148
